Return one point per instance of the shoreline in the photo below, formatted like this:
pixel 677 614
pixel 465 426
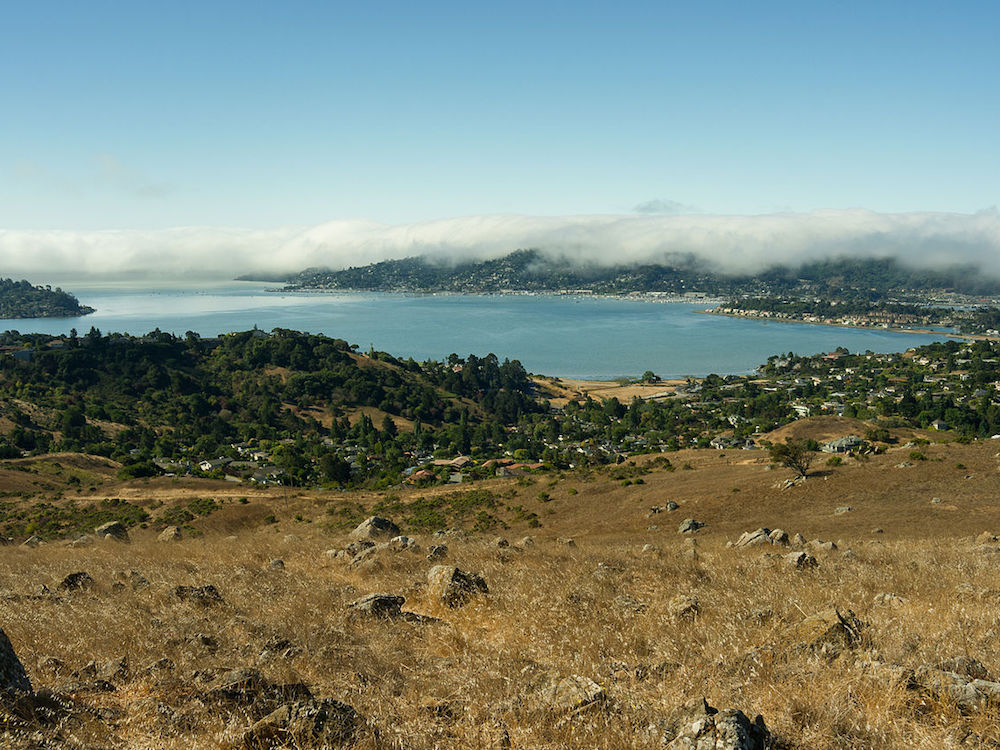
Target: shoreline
pixel 888 329
pixel 626 296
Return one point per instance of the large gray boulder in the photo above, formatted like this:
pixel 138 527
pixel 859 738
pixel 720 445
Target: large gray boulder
pixel 454 587
pixel 701 727
pixel 13 679
pixel 113 529
pixel 375 528
pixel 325 723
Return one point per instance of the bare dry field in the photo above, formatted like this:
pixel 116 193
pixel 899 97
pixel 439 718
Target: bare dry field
pixel 598 631
pixel 562 390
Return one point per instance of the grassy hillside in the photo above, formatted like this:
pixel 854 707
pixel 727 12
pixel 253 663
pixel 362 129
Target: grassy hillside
pixel 653 627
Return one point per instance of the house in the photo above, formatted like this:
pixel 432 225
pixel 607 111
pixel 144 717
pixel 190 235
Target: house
pixel 219 463
pixel 939 424
pixel 842 445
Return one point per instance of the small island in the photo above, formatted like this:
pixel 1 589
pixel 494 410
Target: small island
pixel 21 299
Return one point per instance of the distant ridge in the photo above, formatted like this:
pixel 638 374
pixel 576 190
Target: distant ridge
pixel 532 270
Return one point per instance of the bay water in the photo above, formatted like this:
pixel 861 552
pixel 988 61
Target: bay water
pixel 566 336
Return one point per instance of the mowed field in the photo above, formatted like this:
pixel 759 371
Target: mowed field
pixel 601 625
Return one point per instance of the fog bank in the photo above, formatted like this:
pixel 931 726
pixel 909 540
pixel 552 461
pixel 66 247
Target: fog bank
pixel 736 244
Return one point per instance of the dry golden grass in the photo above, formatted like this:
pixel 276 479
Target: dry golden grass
pixel 552 612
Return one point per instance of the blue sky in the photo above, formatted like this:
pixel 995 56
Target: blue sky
pixel 125 115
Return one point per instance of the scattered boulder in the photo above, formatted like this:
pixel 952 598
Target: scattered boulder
pixel 500 542
pixel 13 679
pixel 800 560
pixel 206 596
pixel 375 528
pixel 380 606
pixel 276 564
pixel 829 632
pixel 402 543
pixel 251 691
pixel 354 548
pixel 170 534
pixel 566 541
pixel 650 549
pixel 454 587
pixel 113 529
pixel 842 510
pixel 672 506
pixel 32 541
pixel 822 546
pixel 701 727
pixel 84 540
pixel 573 693
pixel 322 722
pixel 798 540
pixel 437 552
pixel 689 525
pixel 967 666
pixel 527 541
pixel 683 607
pixel 968 695
pixel 779 536
pixel 751 538
pixel 79 581
pixel 137 580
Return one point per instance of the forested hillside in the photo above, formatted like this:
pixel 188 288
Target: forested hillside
pixel 20 299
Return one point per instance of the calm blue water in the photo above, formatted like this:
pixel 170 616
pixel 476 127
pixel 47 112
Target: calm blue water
pixel 581 337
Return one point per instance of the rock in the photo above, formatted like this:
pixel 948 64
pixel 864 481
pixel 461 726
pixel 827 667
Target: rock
pixel 967 666
pixel 79 581
pixel 32 541
pixel 798 540
pixel 573 693
pixel 402 543
pixel 779 536
pixel 672 506
pixel 375 528
pixel 113 529
pixel 51 665
pixel 170 534
pixel 842 510
pixel 689 525
pixel 381 606
pixel 904 465
pixel 354 548
pixel 968 695
pixel 987 538
pixel 253 692
pixel 276 564
pixel 822 546
pixel 683 607
pixel 877 530
pixel 566 541
pixel 204 595
pixel 137 580
pixel 84 540
pixel 935 500
pixel 655 510
pixel 650 549
pixel 500 542
pixel 750 538
pixel 366 555
pixel 324 723
pixel 829 632
pixel 702 727
pixel 453 586
pixel 800 560
pixel 437 552
pixel 527 541
pixel 13 679
pixel 114 670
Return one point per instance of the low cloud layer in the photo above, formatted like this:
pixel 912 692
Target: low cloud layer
pixel 737 244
